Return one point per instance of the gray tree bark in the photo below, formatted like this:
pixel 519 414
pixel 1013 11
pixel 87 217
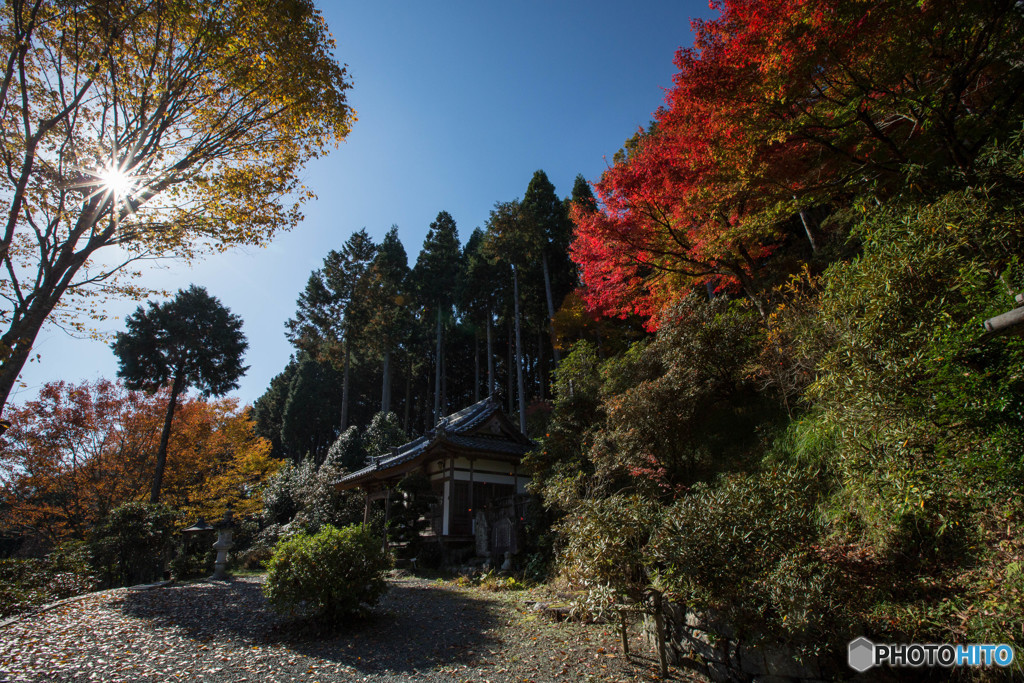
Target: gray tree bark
pixel 344 386
pixel 437 371
pixel 551 309
pixel 490 355
pixel 520 383
pixel 385 391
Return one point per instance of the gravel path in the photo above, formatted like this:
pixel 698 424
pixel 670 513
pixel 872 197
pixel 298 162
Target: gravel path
pixel 224 632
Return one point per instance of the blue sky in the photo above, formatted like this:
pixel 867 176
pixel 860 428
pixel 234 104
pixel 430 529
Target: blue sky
pixel 458 104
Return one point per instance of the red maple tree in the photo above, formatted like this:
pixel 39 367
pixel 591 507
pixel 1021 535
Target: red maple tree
pixel 782 104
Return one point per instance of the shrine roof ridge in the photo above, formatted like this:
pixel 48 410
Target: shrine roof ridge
pixel 451 429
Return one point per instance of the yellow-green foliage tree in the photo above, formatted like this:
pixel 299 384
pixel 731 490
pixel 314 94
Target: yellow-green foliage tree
pixel 149 129
pixel 215 459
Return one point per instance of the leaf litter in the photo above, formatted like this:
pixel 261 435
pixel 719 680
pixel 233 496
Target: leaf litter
pixel 225 632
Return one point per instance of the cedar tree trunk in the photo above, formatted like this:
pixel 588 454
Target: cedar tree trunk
pixel 165 437
pixel 520 383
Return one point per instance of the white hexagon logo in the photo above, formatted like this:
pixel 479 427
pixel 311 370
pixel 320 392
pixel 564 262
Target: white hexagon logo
pixel 861 654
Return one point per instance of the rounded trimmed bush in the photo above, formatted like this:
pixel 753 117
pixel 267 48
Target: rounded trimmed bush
pixel 132 543
pixel 329 576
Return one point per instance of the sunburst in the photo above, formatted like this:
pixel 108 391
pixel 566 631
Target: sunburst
pixel 114 180
pixel 118 181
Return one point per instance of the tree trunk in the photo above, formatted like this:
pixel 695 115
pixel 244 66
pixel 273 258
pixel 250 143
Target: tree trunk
pixel 520 384
pixel 509 377
pixel 408 392
pixel 551 309
pixel 476 366
pixel 747 281
pixel 419 412
pixel 16 343
pixel 490 355
pixel 542 362
pixel 165 438
pixel 26 321
pixel 809 229
pixel 437 371
pixel 344 386
pixel 14 355
pixel 385 390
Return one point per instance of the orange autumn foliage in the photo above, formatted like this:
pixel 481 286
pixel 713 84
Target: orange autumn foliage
pixel 78 451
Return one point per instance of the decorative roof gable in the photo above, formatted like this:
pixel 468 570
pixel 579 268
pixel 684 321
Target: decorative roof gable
pixel 481 427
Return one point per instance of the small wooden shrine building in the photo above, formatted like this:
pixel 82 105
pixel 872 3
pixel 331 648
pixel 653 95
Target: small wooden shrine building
pixel 472 460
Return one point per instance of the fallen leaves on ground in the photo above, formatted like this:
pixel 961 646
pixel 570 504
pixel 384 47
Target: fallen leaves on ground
pixel 224 632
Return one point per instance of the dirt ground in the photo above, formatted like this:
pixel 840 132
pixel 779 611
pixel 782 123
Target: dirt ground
pixel 221 632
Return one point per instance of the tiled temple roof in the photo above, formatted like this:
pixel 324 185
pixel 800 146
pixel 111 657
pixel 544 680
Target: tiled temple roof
pixel 452 430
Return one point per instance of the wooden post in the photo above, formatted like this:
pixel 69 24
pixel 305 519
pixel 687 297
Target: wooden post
pixel 449 501
pixel 622 631
pixel 366 508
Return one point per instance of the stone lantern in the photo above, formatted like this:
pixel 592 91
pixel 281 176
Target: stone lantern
pixel 197 531
pixel 199 527
pixel 222 546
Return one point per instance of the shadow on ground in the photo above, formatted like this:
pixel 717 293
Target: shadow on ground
pixel 418 625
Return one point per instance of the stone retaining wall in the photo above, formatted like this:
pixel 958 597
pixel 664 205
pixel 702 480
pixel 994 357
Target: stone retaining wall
pixel 705 641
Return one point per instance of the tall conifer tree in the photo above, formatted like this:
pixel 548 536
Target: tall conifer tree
pixel 510 239
pixel 544 216
pixel 389 306
pixel 191 341
pixel 332 310
pixel 435 275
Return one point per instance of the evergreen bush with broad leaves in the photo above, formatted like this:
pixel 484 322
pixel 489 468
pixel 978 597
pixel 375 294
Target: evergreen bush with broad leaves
pixel 922 409
pixel 304 496
pixel 923 414
pixel 330 576
pixel 383 432
pixel 729 544
pixel 604 541
pixel 267 539
pixel 29 582
pixel 348 450
pixel 132 543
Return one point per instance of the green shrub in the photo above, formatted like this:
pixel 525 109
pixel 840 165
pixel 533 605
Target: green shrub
pixel 920 408
pixel 307 491
pixel 259 552
pixel 329 576
pixel 728 544
pixel 132 543
pixel 27 583
pixel 604 541
pixel 809 597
